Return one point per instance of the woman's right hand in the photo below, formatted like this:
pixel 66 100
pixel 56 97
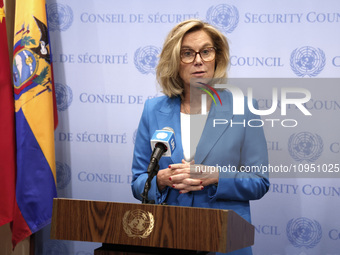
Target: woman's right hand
pixel 163 178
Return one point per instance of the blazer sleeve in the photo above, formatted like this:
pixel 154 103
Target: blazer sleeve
pixel 249 182
pixel 141 159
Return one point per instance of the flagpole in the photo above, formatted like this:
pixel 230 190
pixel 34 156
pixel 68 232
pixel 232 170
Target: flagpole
pixel 10 15
pixel 32 244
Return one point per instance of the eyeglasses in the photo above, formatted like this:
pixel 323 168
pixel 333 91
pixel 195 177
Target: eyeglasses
pixel 207 54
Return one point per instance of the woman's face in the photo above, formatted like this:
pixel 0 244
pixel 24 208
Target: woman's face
pixel 196 41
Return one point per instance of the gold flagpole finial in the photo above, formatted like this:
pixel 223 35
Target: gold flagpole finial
pixel 2 13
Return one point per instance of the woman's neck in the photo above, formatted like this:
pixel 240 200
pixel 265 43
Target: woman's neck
pixel 191 102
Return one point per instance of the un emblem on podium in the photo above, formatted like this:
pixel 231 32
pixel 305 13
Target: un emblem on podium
pixel 138 223
pixel 307 61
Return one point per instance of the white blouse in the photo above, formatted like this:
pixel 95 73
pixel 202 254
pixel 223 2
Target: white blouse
pixel 192 126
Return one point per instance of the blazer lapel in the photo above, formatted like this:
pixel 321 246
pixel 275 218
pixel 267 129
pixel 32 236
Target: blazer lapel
pixel 210 133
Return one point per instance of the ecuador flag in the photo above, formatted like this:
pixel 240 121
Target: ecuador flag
pixel 35 121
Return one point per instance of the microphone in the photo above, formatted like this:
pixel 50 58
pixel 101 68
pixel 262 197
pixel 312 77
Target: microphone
pixel 162 144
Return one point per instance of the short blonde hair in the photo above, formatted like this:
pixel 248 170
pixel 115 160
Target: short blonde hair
pixel 167 71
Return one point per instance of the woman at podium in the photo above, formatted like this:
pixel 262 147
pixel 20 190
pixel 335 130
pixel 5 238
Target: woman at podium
pixel 216 158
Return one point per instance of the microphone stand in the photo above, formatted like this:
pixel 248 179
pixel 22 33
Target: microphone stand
pixel 147 186
pixel 152 171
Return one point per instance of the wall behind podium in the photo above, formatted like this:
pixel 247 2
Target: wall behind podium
pixel 104 58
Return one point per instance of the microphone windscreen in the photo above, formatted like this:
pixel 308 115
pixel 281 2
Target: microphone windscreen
pixel 165 136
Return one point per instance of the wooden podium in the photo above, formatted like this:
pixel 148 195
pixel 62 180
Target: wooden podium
pixel 125 228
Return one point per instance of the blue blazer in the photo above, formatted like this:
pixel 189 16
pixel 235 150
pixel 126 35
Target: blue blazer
pixel 222 145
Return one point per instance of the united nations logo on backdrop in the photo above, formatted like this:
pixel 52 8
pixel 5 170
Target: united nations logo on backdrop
pixel 305 146
pixel 63 175
pixel 224 17
pixel 146 59
pixel 138 223
pixel 307 61
pixel 64 96
pixel 60 17
pixel 303 232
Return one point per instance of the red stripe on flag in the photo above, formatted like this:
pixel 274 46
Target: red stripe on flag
pixel 20 229
pixel 7 129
